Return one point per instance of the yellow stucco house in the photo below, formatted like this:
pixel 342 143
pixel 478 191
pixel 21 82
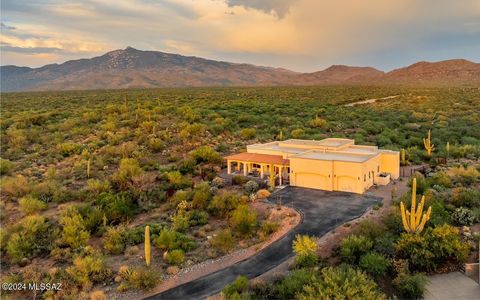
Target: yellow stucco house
pixel 331 164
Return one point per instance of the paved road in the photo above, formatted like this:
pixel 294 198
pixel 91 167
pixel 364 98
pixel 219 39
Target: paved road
pixel 322 211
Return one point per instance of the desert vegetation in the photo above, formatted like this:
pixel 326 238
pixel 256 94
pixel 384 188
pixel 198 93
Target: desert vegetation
pixel 84 172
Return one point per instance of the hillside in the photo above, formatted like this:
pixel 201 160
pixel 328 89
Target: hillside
pixel 132 68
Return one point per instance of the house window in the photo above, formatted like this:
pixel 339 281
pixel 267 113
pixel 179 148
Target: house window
pixel 369 175
pixel 364 177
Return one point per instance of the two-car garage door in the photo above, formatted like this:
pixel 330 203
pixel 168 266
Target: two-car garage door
pixel 323 182
pixel 313 180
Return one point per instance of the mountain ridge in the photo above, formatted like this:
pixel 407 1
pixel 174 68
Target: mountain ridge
pixel 133 68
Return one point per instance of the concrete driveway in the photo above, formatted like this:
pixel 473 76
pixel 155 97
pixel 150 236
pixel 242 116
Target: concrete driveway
pixel 322 211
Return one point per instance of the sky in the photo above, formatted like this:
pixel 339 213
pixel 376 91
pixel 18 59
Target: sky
pixel 300 35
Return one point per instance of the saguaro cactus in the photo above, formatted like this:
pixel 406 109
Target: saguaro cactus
pixel 447 147
pixel 271 177
pixel 428 144
pixel 413 221
pixel 147 245
pixel 402 157
pixel 280 135
pixel 88 168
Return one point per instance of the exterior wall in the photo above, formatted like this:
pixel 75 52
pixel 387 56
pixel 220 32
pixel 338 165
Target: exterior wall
pixel 390 163
pixel 311 173
pixel 347 177
pixel 371 169
pixel 265 151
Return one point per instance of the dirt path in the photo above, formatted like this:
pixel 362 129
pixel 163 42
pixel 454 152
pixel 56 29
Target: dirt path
pixel 368 101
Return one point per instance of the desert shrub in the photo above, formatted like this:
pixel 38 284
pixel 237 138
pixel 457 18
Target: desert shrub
pixel 93 217
pixel 269 227
pixel 239 180
pixel 243 220
pixel 353 247
pixel 205 154
pixel 441 179
pixel 262 194
pixel 201 195
pixel 439 215
pixel 117 207
pixel 218 182
pixel 5 166
pixel 223 203
pixel 393 220
pixel 89 268
pixel 29 205
pixel 425 252
pixel 317 122
pixel 175 257
pixel 156 144
pixel 98 295
pixel 293 283
pixel 422 185
pixel 467 197
pixel 463 216
pixel 28 238
pixel 248 133
pixel 251 187
pixel 341 282
pixel 297 133
pixel 384 244
pixel 197 217
pixel 374 264
pixel 410 286
pixel 223 241
pixel 177 181
pixel 237 289
pixel 128 169
pixel 114 240
pixel 169 240
pixel 137 278
pixel 73 230
pixel 305 248
pixel 68 148
pixel 17 186
pixel 96 187
pixel 370 229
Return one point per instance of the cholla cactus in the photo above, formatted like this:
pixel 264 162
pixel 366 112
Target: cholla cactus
pixel 428 144
pixel 147 245
pixel 413 221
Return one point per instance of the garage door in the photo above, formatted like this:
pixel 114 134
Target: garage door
pixel 312 180
pixel 346 184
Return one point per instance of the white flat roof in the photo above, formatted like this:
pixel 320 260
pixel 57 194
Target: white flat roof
pixel 328 142
pixel 339 156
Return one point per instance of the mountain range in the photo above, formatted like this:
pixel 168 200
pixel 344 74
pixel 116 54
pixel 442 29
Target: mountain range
pixel 132 68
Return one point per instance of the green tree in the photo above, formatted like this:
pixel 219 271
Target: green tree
pixel 243 219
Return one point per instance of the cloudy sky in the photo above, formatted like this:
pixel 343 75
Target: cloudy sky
pixel 302 35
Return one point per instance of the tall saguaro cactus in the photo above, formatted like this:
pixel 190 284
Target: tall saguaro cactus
pixel 402 157
pixel 448 149
pixel 427 142
pixel 413 221
pixel 147 245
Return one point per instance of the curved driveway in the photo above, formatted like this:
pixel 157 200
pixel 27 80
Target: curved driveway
pixel 322 211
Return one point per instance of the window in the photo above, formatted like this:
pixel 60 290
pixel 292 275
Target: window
pixel 369 175
pixel 364 177
pixel 378 169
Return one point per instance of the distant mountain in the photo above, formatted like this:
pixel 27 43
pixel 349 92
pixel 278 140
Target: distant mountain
pixel 447 72
pixel 132 68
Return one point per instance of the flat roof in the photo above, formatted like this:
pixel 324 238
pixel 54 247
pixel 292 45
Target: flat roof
pixel 328 142
pixel 259 158
pixel 339 156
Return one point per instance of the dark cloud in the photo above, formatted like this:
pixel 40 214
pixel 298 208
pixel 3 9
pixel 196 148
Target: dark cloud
pixel 30 50
pixel 3 26
pixel 277 7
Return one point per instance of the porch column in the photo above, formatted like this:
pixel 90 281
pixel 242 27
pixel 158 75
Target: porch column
pixel 238 166
pixel 280 175
pixel 261 171
pixel 244 169
pixel 229 167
